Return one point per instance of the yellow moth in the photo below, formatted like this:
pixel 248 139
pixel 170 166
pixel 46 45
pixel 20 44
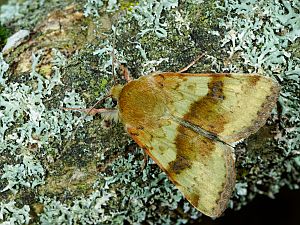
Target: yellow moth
pixel 188 123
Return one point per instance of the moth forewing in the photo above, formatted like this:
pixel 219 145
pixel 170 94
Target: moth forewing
pixel 168 115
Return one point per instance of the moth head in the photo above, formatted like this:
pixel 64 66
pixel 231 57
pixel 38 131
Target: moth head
pixel 115 91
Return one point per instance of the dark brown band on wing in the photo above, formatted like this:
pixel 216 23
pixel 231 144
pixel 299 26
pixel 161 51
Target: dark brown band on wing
pixel 204 112
pixel 179 164
pixel 194 199
pixel 190 146
pixel 215 89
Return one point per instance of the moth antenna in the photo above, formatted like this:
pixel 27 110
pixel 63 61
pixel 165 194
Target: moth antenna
pixel 88 112
pixel 108 113
pixel 113 55
pixel 192 63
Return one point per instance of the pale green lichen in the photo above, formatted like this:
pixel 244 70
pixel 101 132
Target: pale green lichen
pixel 3 68
pixel 11 214
pixel 106 59
pixel 9 12
pixel 259 39
pixel 91 7
pixel 117 191
pixel 15 12
pixel 20 101
pixel 91 209
pixel 27 124
pixel 29 174
pixel 136 203
pixel 148 14
pixel 261 31
pixel 144 193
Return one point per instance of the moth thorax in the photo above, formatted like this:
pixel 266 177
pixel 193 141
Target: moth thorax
pixel 116 90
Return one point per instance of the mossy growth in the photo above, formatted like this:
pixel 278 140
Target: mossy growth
pixel 189 26
pixel 4 34
pixel 95 175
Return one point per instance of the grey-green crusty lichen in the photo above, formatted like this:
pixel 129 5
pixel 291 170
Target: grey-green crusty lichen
pixel 11 214
pixel 97 177
pixel 263 36
pixel 29 173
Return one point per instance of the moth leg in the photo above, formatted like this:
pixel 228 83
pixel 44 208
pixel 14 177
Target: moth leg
pixel 126 73
pixel 191 64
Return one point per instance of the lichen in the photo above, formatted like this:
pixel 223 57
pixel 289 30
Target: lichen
pixel 22 105
pixel 89 210
pixel 11 214
pixel 3 68
pixel 148 15
pixel 91 7
pixel 259 38
pixel 95 175
pixel 27 126
pixel 29 174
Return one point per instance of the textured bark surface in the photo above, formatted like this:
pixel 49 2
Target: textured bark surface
pixel 96 175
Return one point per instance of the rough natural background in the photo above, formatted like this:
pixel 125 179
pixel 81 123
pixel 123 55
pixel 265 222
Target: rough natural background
pixel 62 58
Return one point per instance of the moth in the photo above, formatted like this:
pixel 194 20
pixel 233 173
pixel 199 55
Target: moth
pixel 188 124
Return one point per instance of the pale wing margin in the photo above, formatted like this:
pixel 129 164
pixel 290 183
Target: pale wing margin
pixel 203 170
pixel 250 101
